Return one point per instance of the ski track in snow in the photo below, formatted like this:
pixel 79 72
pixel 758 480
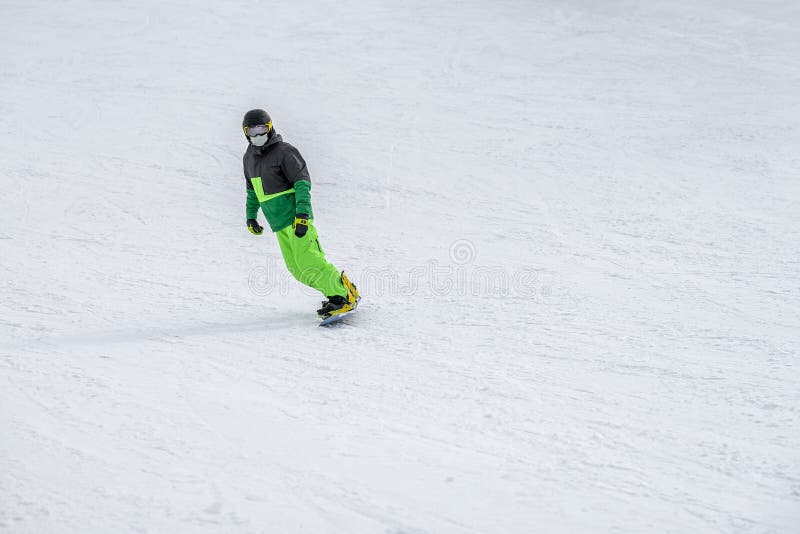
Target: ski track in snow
pixel 634 165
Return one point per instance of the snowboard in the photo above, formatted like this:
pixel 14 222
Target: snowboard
pixel 336 318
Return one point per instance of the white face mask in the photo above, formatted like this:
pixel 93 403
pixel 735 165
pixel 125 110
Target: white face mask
pixel 259 140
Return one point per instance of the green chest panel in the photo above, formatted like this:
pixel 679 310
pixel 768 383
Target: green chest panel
pixel 258 187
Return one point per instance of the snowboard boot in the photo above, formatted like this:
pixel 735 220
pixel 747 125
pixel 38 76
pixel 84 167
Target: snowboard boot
pixel 336 305
pixel 325 305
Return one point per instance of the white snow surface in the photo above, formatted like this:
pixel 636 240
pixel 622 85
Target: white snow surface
pixel 575 224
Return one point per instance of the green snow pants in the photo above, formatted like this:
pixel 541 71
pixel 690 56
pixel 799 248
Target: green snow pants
pixel 306 261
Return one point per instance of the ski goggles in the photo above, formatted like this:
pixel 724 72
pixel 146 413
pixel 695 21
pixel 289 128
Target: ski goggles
pixel 257 129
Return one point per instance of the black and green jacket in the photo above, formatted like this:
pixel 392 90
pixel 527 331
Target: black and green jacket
pixel 277 181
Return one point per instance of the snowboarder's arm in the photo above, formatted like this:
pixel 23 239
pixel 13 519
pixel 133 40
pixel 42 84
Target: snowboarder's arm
pixel 251 208
pixel 302 197
pixel 295 170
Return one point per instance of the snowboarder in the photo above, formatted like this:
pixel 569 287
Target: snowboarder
pixel 278 182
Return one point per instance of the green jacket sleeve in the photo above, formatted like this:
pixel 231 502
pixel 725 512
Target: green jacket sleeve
pixel 296 172
pixel 302 197
pixel 252 204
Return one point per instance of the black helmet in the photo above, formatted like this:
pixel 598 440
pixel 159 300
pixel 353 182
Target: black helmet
pixel 256 117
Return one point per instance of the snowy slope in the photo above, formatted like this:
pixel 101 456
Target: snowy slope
pixel 575 225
